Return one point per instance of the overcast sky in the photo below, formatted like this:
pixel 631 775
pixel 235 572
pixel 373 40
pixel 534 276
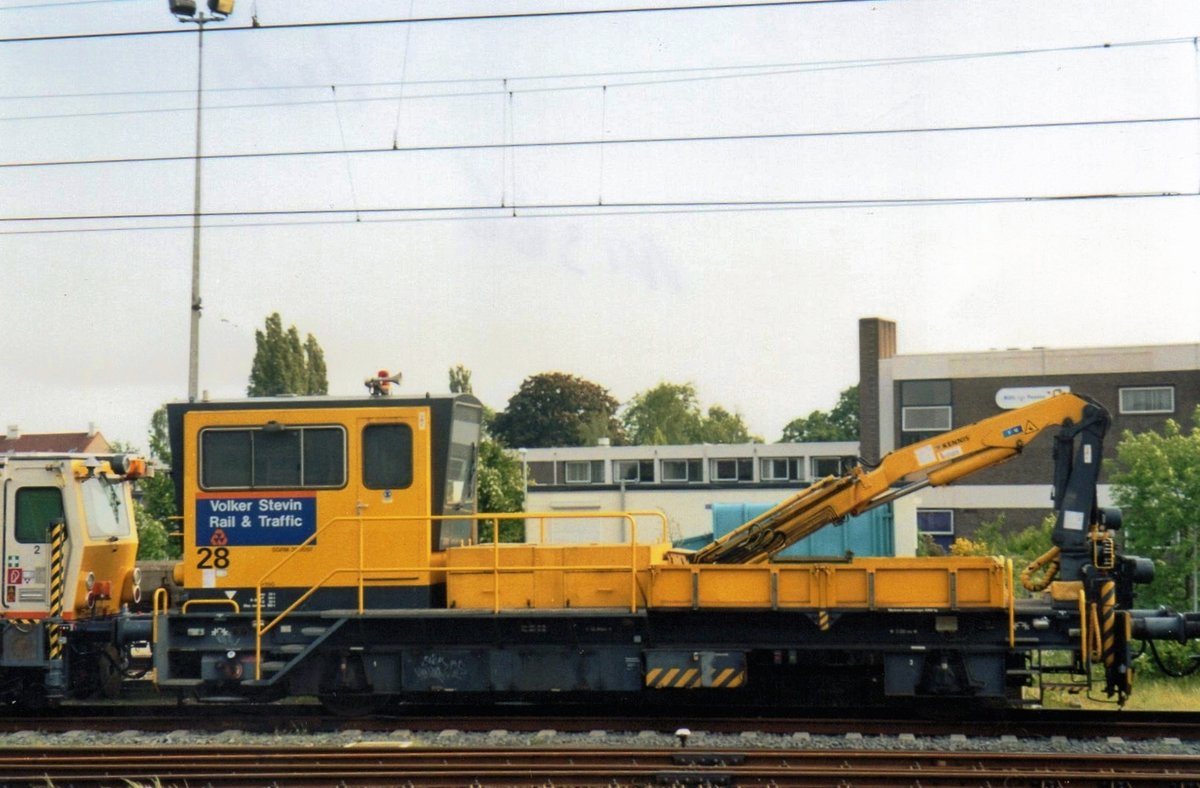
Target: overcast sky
pixel 756 304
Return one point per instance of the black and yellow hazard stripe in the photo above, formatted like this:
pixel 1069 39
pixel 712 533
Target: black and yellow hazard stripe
pixel 823 620
pixel 692 678
pixel 673 678
pixel 729 677
pixel 21 622
pixel 58 540
pixel 1108 621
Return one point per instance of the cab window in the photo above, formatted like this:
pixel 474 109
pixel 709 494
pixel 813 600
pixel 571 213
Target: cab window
pixel 37 507
pixel 274 457
pixel 104 507
pixel 387 456
pixel 464 442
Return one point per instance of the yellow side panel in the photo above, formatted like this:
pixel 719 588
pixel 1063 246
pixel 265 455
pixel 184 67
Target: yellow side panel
pixel 735 586
pixel 550 576
pixel 799 587
pixel 849 586
pixel 912 587
pixel 477 587
pixel 600 587
pixel 870 583
pixel 978 587
pixel 671 585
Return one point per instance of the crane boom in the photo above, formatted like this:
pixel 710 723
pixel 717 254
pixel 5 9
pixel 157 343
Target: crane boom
pixel 936 462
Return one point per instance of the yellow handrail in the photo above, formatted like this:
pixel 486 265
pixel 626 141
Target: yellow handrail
pixel 1012 604
pixel 362 571
pixel 231 602
pixel 155 610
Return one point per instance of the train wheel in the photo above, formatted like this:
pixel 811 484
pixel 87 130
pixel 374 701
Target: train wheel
pixel 112 672
pixel 346 691
pixel 33 697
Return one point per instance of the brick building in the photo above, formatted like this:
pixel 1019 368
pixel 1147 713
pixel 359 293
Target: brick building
pixel 906 398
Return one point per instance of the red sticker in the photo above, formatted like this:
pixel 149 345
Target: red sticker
pixel 15 576
pixel 219 538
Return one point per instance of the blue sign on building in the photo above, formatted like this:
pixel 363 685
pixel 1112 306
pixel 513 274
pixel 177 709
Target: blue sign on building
pixel 255 521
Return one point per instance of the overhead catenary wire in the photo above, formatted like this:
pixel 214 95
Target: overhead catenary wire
pixel 61 4
pixel 747 72
pixel 609 77
pixel 520 15
pixel 583 209
pixel 509 145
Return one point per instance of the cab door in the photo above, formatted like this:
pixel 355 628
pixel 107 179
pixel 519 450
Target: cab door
pixel 32 501
pixel 393 493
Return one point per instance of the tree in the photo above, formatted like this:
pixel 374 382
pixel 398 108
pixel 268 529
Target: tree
pixel 158 491
pixel 501 489
pixel 840 424
pixel 721 426
pixel 316 380
pixel 460 380
pixel 1157 487
pixel 670 413
pixel 284 365
pixel 153 542
pixel 557 409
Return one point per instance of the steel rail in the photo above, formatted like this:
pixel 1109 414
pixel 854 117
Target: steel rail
pixel 367 764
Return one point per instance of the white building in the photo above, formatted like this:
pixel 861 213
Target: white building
pixel 683 482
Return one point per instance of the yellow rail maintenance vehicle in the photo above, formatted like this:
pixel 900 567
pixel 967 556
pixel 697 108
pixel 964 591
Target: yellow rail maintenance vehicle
pixel 331 549
pixel 69 546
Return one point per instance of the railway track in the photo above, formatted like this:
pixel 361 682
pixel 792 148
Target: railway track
pixel 302 718
pixel 372 764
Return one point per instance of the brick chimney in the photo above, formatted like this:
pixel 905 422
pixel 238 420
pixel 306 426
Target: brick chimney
pixel 876 341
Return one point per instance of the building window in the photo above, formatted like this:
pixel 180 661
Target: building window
pixel 938 524
pixel 780 469
pixel 681 471
pixel 929 418
pixel 633 471
pixel 1148 399
pixel 579 472
pixel 732 470
pixel 826 466
pixel 925 409
pixel 274 457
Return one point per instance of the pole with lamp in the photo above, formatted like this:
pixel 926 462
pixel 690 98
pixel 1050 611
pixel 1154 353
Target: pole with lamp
pixel 186 11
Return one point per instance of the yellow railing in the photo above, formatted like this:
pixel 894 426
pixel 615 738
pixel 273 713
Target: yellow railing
pixel 1010 591
pixel 160 595
pixel 361 571
pixel 230 603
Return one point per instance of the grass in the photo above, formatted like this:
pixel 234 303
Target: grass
pixel 1150 693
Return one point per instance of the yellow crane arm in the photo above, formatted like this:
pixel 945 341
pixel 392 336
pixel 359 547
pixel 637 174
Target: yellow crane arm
pixel 934 462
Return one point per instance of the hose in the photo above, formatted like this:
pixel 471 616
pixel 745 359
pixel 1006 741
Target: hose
pixel 1048 559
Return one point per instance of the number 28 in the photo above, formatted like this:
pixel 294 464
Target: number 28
pixel 213 558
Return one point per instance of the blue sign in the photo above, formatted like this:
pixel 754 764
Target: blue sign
pixel 1011 431
pixel 255 521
